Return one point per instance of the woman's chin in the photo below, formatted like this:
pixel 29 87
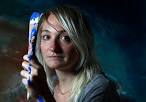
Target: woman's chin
pixel 54 65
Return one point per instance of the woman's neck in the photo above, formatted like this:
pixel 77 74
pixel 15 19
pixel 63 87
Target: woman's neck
pixel 65 80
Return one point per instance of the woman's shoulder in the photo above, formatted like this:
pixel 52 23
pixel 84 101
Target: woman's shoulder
pixel 99 83
pixel 98 89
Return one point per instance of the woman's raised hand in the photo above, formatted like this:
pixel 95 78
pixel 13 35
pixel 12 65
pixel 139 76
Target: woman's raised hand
pixel 34 79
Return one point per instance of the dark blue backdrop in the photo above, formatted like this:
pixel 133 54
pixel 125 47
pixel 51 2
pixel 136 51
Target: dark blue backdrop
pixel 119 27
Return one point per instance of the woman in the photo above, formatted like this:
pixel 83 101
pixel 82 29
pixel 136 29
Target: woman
pixel 64 48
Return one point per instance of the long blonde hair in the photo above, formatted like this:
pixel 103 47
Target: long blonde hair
pixel 79 31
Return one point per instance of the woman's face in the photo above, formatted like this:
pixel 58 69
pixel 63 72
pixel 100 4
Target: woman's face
pixel 57 48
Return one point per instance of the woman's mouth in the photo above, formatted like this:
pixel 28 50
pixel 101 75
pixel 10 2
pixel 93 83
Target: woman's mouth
pixel 55 57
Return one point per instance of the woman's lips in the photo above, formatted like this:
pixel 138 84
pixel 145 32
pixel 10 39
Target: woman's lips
pixel 56 57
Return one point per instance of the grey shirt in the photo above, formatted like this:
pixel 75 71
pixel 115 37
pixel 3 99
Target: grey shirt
pixel 100 89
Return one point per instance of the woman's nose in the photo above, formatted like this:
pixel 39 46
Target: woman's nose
pixel 55 46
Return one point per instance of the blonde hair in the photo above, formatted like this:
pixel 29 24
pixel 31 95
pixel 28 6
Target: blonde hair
pixel 79 31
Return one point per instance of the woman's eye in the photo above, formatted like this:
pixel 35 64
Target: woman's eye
pixel 45 37
pixel 66 39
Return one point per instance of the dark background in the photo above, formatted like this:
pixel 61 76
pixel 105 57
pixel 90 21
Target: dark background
pixel 119 27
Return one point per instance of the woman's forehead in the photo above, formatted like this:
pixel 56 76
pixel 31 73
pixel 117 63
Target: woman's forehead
pixel 51 27
pixel 52 19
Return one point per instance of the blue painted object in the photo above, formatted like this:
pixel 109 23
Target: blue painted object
pixel 33 24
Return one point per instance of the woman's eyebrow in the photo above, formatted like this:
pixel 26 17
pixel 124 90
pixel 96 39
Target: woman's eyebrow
pixel 45 31
pixel 48 31
pixel 62 31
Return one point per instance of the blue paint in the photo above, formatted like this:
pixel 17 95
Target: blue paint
pixel 30 56
pixel 33 32
pixel 32 36
pixel 40 99
pixel 29 82
pixel 29 71
pixel 29 68
pixel 34 15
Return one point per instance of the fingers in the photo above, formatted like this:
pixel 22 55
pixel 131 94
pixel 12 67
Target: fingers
pixel 26 65
pixel 31 69
pixel 25 82
pixel 31 73
pixel 25 57
pixel 27 78
pixel 26 75
pixel 33 62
